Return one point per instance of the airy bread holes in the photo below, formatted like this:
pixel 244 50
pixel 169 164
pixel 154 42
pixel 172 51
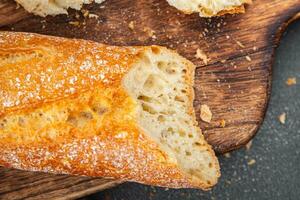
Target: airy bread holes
pixel 161 65
pixel 161 118
pixel 155 50
pixel 147 108
pixel 197 144
pixel 168 68
pixel 153 83
pixel 144 98
pixel 179 98
pixel 161 92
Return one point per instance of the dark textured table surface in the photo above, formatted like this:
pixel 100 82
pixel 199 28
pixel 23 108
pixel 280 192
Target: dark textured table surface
pixel 275 149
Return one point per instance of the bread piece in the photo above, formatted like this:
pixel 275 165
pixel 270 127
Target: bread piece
pixel 78 107
pixel 210 8
pixel 53 7
pixel 206 8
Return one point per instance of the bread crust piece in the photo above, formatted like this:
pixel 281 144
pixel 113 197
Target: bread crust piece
pixel 231 10
pixel 96 132
pixel 205 12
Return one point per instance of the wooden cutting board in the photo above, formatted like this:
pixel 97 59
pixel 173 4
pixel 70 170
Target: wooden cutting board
pixel 235 82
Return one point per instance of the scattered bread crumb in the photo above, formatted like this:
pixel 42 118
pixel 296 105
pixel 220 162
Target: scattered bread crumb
pixel 131 25
pixel 17 6
pixel 74 23
pixel 240 44
pixel 248 145
pixel 222 123
pixel 93 16
pixel 228 182
pixel 201 55
pixel 291 81
pixel 150 32
pixel 251 162
pixel 227 155
pixel 248 58
pixel 85 12
pixel 205 113
pixel 77 16
pixel 282 118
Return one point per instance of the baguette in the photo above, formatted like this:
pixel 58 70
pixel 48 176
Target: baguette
pixel 210 8
pixel 78 107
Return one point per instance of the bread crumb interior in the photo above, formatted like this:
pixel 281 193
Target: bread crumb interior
pixel 159 83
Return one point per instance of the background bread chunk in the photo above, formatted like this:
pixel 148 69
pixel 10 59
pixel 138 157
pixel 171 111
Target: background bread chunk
pixel 53 7
pixel 79 107
pixel 209 8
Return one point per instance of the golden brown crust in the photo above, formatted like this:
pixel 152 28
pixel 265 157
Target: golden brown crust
pixel 58 60
pixel 42 74
pixel 233 10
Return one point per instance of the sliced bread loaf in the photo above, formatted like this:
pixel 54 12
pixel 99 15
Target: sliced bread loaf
pixel 79 107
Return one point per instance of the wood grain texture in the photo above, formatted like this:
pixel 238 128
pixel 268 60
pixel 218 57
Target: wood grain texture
pixel 11 13
pixel 16 184
pixel 235 87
